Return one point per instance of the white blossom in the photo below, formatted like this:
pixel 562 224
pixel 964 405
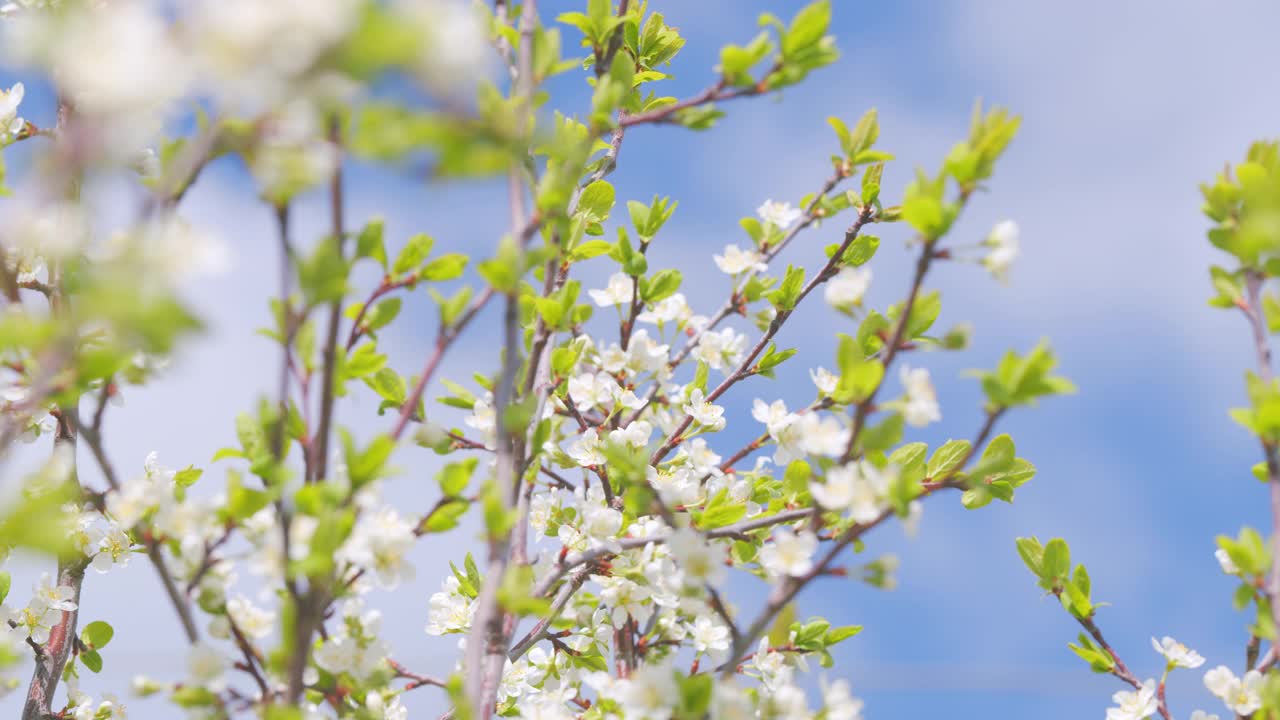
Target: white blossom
pixel 709 637
pixel 703 412
pixel 381 542
pixel 779 214
pixel 1241 695
pixel 858 488
pixel 586 449
pixel 207 667
pixel 824 436
pixel 381 708
pixel 450 610
pixel 840 702
pixel 56 597
pixel 1003 241
pixel 702 563
pixel 247 51
pixel 921 404
pixel 847 288
pixel 590 390
pixel 736 261
pixel 789 553
pixel 11 124
pixel 1176 653
pixel 1225 562
pixel 825 380
pixel 649 694
pixel 674 309
pixel 1134 704
pixel 646 356
pixel 452 54
pixel 253 621
pixel 619 291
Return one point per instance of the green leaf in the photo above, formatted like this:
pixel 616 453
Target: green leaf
pixel 445 267
pixel 589 249
pixel 37 521
pixel 997 458
pixel 780 631
pixel 92 660
pixel 187 476
pixel 662 285
pixel 413 254
pixel 597 200
pixel 807 28
pixel 323 276
pixel 839 634
pixel 503 271
pixel 864 135
pixel 370 243
pixel 976 497
pixel 721 510
pixel 389 385
pixel 446 517
pixel 785 297
pixel 97 634
pixel 190 696
pixel 1056 565
pixel 884 435
pixel 453 478
pixel 1099 661
pixel 947 459
pixel 382 313
pixel 1032 553
pixel 695 695
pixel 923 314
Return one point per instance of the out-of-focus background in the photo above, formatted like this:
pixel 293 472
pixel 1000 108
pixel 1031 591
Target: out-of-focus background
pixel 1126 107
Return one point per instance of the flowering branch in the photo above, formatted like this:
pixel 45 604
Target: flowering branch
pixel 786 590
pixel 319 461
pixel 1119 669
pixel 486 644
pixel 744 369
pixel 715 93
pixel 1251 305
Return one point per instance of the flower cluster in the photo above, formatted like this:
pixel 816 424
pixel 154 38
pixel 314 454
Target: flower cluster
pixel 598 461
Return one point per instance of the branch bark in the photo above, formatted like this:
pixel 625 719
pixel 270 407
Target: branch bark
pixel 1252 308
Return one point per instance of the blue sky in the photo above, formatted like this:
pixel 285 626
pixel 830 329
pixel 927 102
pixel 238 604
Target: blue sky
pixel 1126 107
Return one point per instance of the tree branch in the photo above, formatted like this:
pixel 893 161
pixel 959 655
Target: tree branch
pixel 1252 308
pixel 319 464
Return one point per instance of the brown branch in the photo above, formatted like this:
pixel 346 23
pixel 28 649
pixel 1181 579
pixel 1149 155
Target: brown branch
pixel 444 340
pixel 1252 307
pixel 417 680
pixel 53 655
pixel 487 642
pixel 715 93
pixel 605 61
pixel 538 631
pixel 1119 670
pixel 290 328
pixel 319 464
pixel 864 407
pixel 251 659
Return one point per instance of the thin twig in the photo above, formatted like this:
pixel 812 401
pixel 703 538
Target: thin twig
pixel 1252 307
pixel 319 461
